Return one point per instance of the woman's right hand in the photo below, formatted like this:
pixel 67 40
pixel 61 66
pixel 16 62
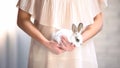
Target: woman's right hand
pixel 54 47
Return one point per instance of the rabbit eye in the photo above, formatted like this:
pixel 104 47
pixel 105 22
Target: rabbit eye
pixel 77 39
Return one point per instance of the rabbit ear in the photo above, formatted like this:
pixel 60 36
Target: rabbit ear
pixel 80 26
pixel 74 28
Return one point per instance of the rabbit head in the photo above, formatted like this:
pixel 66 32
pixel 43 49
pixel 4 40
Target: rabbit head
pixel 77 34
pixel 74 35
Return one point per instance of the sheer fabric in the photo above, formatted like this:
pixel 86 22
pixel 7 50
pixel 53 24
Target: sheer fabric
pixel 51 15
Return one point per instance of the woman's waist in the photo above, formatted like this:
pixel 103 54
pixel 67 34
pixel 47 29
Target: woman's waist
pixel 46 31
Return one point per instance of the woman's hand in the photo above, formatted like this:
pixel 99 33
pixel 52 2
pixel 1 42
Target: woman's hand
pixel 60 48
pixel 54 47
pixel 24 22
pixel 26 25
pixel 66 45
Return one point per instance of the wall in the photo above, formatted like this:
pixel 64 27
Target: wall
pixel 108 40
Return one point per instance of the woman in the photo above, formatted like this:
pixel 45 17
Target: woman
pixel 49 16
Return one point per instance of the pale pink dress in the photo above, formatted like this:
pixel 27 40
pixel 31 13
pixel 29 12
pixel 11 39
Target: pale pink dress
pixel 51 15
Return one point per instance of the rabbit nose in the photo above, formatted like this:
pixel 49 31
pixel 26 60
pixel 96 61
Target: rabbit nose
pixel 77 39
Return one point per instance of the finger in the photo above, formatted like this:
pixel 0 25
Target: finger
pixel 71 49
pixel 63 42
pixel 65 38
pixel 62 46
pixel 58 50
pixel 67 45
pixel 72 45
pixel 61 51
pixel 66 41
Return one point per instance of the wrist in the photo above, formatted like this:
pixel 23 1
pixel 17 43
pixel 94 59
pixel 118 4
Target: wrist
pixel 44 42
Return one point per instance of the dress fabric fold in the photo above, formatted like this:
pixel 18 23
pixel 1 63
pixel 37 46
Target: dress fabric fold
pixel 52 15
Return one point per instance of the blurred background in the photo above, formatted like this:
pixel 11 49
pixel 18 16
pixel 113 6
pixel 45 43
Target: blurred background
pixel 14 43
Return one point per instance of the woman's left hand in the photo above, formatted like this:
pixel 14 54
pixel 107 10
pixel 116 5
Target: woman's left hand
pixel 66 45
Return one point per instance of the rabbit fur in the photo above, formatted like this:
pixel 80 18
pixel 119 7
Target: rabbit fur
pixel 74 36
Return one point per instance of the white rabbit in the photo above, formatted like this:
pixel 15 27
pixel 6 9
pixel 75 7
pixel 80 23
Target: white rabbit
pixel 74 36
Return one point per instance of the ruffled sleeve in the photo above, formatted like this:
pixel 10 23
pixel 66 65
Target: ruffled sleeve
pixel 95 7
pixel 103 4
pixel 98 6
pixel 27 5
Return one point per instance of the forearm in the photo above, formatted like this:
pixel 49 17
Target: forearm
pixel 93 29
pixel 28 27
